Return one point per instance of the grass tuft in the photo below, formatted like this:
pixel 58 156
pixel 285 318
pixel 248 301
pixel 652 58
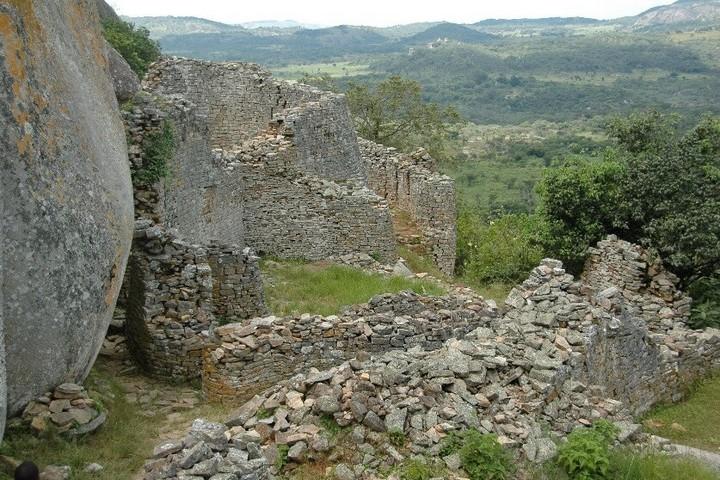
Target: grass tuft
pixel 296 287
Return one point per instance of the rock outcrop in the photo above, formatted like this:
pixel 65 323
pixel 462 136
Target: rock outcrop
pixel 125 82
pixel 67 200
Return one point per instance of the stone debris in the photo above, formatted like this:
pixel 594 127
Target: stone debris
pixel 551 361
pixel 68 409
pixel 245 357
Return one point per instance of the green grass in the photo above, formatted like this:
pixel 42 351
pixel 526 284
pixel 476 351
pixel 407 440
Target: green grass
pixel 294 287
pixel 121 446
pixel 334 69
pixel 629 465
pixel 419 263
pixel 694 422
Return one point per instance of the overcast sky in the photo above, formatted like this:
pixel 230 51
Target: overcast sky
pixel 380 12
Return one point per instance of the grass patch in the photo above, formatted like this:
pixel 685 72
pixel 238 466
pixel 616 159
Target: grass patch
pixel 419 263
pixel 121 446
pixel 490 291
pixel 295 287
pixel 694 422
pixel 626 464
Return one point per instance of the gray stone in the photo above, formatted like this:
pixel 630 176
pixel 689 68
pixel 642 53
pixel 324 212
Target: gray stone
pixel 395 420
pixel 297 452
pixel 67 199
pixel 56 472
pixel 343 472
pixel 193 455
pixel 373 422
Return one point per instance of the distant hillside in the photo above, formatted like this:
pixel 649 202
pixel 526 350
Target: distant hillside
pixel 450 31
pixel 699 12
pixel 163 26
pixel 537 22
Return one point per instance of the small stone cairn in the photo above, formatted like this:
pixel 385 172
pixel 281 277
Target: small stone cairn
pixel 68 409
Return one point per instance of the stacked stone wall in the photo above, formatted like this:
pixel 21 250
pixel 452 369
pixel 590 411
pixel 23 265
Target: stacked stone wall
pixel 249 357
pixel 176 290
pixel 290 214
pixel 240 99
pixel 409 185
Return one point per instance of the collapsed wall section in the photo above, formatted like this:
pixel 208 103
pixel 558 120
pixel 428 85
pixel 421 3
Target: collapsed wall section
pixel 408 183
pixel 248 358
pixel 176 290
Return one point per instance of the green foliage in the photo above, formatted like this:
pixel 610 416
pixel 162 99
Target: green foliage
pixel 453 442
pixel 324 289
pixel 158 148
pixel 581 202
pixel 323 81
pixel 264 413
pixel 483 458
pixel 396 437
pixel 134 44
pixel 500 250
pixel 628 465
pixel 331 427
pixel 657 187
pixel 394 113
pixel 416 469
pixel 282 457
pixel 586 454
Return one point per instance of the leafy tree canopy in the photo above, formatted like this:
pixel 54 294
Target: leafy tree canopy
pixel 134 44
pixel 394 113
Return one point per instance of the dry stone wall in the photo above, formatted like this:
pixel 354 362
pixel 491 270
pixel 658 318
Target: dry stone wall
pixel 294 215
pixel 240 99
pixel 249 357
pixel 175 292
pixel 409 185
pixel 562 356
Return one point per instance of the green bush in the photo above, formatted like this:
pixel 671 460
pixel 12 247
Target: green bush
pixel 158 148
pixel 282 457
pixel 416 470
pixel 134 44
pixel 586 454
pixel 397 437
pixel 657 187
pixel 705 293
pixel 483 458
pixel 504 250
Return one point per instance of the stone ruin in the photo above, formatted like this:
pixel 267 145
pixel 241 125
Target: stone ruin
pixel 260 167
pixel 565 353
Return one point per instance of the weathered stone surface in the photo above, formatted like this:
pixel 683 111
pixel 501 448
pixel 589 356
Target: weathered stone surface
pixel 67 214
pixel 528 387
pixel 125 82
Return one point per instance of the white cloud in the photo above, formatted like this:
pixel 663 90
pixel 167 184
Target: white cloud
pixel 380 12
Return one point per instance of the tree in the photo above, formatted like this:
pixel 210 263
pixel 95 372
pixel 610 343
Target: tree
pixel 393 113
pixel 134 44
pixel 657 187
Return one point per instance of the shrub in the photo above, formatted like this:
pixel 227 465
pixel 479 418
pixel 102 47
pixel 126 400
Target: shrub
pixel 483 458
pixel 397 437
pixel 504 250
pixel 158 148
pixel 656 187
pixel 282 457
pixel 134 44
pixel 416 470
pixel 586 454
pixel 705 293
